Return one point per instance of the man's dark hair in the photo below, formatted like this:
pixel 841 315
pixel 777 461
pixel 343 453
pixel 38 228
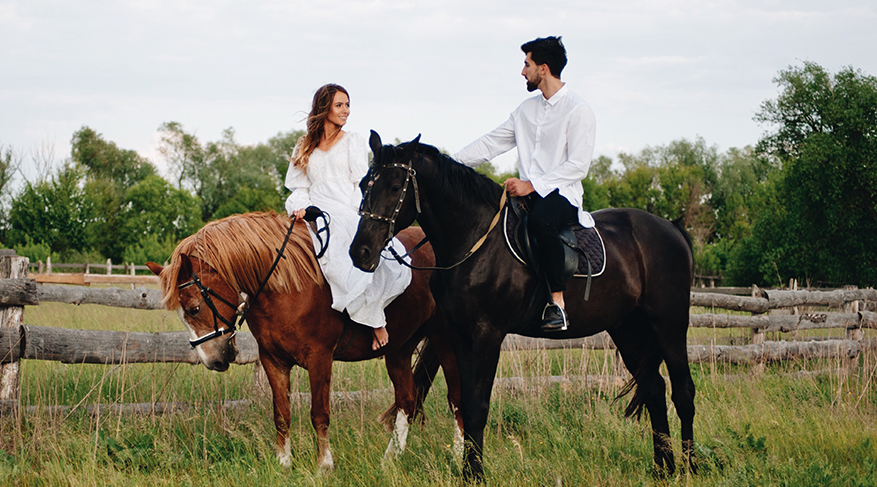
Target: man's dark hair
pixel 547 50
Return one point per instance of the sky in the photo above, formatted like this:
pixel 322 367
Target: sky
pixel 653 71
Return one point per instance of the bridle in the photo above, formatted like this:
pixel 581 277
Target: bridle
pixel 241 309
pixel 366 198
pixel 411 176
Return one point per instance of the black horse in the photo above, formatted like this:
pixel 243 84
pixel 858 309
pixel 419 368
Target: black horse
pixel 641 300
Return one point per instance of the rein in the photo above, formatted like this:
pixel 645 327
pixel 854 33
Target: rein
pixel 411 177
pixel 242 309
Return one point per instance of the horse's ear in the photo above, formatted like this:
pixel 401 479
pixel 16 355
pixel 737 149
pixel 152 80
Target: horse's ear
pixel 155 268
pixel 374 141
pixel 185 266
pixel 411 147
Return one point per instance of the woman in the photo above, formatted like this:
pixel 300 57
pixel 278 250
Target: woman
pixel 325 169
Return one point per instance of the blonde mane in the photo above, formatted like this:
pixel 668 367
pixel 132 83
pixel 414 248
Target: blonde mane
pixel 241 248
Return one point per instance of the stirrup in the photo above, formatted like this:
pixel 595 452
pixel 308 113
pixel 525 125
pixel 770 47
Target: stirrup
pixel 553 318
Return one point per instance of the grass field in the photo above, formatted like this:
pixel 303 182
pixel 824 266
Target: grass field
pixel 796 424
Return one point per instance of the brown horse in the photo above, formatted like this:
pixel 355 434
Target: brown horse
pixel 293 322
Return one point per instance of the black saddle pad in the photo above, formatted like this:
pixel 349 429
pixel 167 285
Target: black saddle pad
pixel 588 239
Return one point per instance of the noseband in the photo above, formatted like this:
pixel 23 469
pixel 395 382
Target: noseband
pixel 243 308
pixel 208 295
pixel 410 177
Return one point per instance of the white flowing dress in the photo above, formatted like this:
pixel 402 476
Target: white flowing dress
pixel 331 183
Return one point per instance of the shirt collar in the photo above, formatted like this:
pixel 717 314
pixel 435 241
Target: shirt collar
pixel 557 96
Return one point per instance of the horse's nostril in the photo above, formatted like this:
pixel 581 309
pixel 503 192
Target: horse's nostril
pixel 364 253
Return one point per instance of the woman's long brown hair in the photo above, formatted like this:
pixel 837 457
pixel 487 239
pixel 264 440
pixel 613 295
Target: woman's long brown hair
pixel 323 99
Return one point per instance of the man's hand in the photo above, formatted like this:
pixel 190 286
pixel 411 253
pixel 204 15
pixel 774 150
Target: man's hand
pixel 299 214
pixel 516 187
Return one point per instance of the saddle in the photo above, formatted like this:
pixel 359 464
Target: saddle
pixel 584 252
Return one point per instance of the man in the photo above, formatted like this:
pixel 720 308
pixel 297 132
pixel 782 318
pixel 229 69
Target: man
pixel 554 133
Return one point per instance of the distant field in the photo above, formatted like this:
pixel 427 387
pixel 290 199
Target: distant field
pixel 796 424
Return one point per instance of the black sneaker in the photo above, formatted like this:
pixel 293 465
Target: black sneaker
pixel 553 318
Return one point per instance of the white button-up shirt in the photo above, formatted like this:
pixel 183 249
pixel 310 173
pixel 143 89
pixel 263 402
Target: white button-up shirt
pixel 555 141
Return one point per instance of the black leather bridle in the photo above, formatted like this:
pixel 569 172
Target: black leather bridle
pixel 366 198
pixel 411 176
pixel 241 309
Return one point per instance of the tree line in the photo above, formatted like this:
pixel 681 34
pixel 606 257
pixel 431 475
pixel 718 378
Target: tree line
pixel 800 203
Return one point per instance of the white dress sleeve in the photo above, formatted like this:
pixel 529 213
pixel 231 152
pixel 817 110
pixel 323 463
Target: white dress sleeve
pixel 298 182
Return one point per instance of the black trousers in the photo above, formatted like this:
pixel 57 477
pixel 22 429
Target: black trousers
pixel 548 216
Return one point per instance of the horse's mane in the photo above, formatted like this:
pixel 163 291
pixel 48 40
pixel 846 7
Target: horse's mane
pixel 459 180
pixel 241 248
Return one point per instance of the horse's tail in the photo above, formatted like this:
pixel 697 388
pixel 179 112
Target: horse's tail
pixel 679 226
pixel 425 369
pixel 638 401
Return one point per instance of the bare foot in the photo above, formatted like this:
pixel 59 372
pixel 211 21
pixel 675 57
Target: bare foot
pixel 381 338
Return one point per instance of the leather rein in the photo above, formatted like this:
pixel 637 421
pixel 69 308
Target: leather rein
pixel 241 309
pixel 411 176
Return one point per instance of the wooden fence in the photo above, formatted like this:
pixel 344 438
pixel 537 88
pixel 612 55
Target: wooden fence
pixel 45 274
pixel 19 341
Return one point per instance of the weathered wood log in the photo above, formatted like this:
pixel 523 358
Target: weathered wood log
pixel 143 409
pixel 600 341
pixel 18 292
pixel 868 319
pixel 784 323
pixel 833 299
pixel 11 267
pixel 777 351
pixel 726 301
pixel 140 298
pixel 114 347
pixel 712 320
pixel 10 345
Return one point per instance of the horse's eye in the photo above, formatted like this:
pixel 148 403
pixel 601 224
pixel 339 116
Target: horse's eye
pixel 193 310
pixel 395 188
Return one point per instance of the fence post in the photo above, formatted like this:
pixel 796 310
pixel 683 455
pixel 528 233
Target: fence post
pixel 11 267
pixel 87 266
pixel 793 285
pixel 49 264
pixel 109 267
pixel 856 334
pixel 757 337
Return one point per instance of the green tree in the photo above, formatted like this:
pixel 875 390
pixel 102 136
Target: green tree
pixel 53 212
pixel 153 209
pixel 104 160
pixel 818 218
pixel 217 171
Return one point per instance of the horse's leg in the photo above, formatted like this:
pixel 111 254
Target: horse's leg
pixel 278 379
pixel 675 351
pixel 320 376
pixel 399 369
pixel 642 358
pixel 452 377
pixel 477 359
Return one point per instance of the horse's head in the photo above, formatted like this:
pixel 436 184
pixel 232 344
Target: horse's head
pixel 390 200
pixel 208 307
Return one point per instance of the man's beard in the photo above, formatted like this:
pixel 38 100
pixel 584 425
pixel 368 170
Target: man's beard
pixel 534 85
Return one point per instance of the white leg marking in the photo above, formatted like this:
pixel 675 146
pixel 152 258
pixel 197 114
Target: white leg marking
pixel 328 463
pixel 400 435
pixel 458 442
pixel 284 455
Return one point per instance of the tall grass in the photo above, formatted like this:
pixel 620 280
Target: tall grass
pixel 801 423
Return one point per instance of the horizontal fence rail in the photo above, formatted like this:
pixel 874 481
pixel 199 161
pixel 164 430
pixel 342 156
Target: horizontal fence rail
pixel 112 347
